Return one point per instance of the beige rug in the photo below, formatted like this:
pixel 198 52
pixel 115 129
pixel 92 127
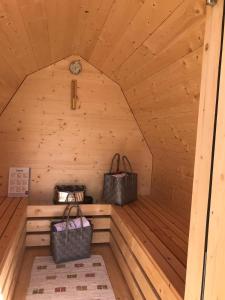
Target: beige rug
pixel 85 279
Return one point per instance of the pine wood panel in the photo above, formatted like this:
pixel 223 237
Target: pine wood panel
pixel 66 146
pixel 165 280
pixel 36 25
pixel 163 93
pixel 39 218
pixel 215 264
pixel 44 225
pixel 62 18
pixel 39 240
pixel 43 211
pixel 13 273
pixel 135 291
pixel 113 31
pixel 180 34
pixel 150 15
pixel 12 242
pixel 203 156
pixel 97 14
pixel 35 34
pixel 135 269
pixel 161 234
pixel 132 42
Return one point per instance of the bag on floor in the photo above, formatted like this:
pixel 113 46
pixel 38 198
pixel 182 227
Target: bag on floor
pixel 71 244
pixel 120 187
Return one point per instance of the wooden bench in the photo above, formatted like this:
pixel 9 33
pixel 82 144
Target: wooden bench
pixel 39 219
pixel 12 242
pixel 150 244
pixel 148 241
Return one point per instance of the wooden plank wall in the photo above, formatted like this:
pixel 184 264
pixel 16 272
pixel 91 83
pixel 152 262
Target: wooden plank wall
pixel 39 130
pixel 151 48
pixel 34 34
pixel 163 92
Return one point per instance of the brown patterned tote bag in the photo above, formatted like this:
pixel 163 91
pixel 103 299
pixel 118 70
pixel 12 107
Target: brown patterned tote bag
pixel 71 242
pixel 120 187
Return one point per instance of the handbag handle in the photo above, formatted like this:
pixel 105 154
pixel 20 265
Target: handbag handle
pixel 78 214
pixel 68 205
pixel 126 162
pixel 70 194
pixel 116 156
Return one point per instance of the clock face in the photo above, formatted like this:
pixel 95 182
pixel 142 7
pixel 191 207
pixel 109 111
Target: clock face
pixel 75 67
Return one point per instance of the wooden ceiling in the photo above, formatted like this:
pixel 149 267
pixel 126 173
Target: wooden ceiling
pixel 107 33
pixel 151 48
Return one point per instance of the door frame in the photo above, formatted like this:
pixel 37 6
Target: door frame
pixel 202 183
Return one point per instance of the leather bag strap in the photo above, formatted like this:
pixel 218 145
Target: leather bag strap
pixel 126 163
pixel 78 215
pixel 117 158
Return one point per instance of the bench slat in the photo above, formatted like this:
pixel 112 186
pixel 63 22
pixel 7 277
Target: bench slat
pixel 13 227
pixel 34 240
pixel 163 250
pixel 8 214
pixel 2 199
pixel 135 269
pixel 168 214
pixel 177 246
pixel 34 211
pixel 44 225
pixel 16 261
pixel 165 280
pixel 4 205
pixel 158 216
pixel 12 244
pixel 136 293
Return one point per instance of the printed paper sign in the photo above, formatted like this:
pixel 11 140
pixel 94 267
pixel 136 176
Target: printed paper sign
pixel 19 179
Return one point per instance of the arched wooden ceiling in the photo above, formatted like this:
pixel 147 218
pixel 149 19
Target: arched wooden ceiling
pixel 107 33
pixel 151 48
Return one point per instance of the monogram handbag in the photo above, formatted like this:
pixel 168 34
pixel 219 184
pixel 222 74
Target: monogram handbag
pixel 65 194
pixel 71 244
pixel 120 187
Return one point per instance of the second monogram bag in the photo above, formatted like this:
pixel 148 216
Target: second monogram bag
pixel 120 187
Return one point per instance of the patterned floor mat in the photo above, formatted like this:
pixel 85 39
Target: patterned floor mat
pixel 85 279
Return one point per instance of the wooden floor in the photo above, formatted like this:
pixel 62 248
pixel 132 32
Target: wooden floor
pixel 119 285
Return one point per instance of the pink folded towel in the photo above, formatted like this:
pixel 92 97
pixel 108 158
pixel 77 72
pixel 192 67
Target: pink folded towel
pixel 73 224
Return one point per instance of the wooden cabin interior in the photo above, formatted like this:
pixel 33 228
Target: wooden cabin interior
pixel 148 89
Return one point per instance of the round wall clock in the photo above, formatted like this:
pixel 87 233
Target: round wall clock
pixel 75 67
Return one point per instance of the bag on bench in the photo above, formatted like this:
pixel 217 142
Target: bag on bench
pixel 71 244
pixel 120 187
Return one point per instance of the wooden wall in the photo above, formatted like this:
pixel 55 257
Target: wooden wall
pixel 152 49
pixel 163 92
pixel 39 130
pixel 34 34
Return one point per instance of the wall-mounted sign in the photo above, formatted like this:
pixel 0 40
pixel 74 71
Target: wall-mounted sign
pixel 19 182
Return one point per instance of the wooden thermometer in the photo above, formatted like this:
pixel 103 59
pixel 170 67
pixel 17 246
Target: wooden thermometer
pixel 73 94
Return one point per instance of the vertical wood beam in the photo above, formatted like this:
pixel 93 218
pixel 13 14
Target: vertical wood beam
pixel 214 282
pixel 203 158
